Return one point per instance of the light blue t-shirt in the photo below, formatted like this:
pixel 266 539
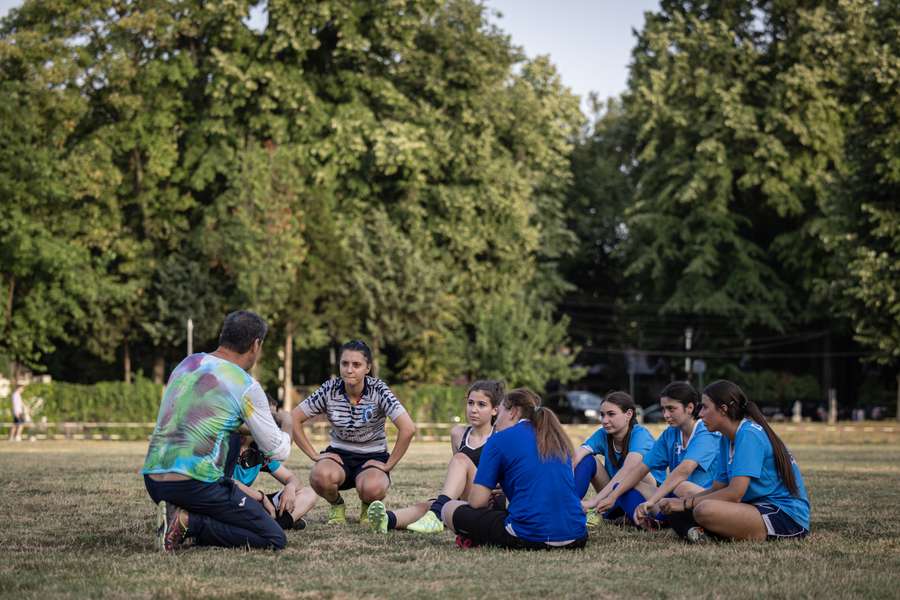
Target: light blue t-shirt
pixel 248 476
pixel 641 441
pixel 543 506
pixel 702 448
pixel 753 457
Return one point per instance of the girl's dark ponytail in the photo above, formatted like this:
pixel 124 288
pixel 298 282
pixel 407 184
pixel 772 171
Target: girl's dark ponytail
pixel 737 406
pixel 552 441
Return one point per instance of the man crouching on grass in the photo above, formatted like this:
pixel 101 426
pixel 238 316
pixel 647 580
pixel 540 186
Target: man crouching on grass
pixel 208 397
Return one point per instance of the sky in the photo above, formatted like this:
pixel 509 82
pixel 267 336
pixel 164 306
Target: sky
pixel 589 41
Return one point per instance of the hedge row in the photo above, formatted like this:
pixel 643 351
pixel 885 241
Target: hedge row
pixel 119 402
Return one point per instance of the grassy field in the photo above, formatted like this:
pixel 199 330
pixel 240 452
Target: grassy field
pixel 78 523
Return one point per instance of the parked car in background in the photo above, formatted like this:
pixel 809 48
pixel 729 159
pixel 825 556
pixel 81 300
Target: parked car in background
pixel 575 406
pixel 651 414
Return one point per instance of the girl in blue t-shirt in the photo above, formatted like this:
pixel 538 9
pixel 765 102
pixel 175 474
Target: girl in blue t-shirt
pixel 530 457
pixel 288 505
pixel 758 492
pixel 686 449
pixel 623 443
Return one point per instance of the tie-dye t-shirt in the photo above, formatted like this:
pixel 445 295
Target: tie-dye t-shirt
pixel 208 398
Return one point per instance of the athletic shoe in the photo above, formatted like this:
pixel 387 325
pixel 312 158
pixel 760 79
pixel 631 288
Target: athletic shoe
pixel 697 535
pixel 337 514
pixel 299 524
pixel 464 543
pixel 377 517
pixel 363 514
pixel 593 518
pixel 171 526
pixel 428 523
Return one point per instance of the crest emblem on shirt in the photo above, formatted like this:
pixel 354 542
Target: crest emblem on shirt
pixel 367 414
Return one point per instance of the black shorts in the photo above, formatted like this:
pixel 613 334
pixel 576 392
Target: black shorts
pixel 353 464
pixel 487 527
pixel 18 420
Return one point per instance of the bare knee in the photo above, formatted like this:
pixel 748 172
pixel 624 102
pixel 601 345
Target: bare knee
pixel 324 478
pixel 372 487
pixel 447 513
pixel 704 513
pixel 685 489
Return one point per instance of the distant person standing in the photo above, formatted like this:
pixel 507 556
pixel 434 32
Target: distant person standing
pixel 208 397
pixel 18 414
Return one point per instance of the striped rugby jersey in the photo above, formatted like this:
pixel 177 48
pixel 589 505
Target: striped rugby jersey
pixel 357 428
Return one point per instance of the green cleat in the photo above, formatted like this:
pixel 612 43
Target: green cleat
pixel 428 523
pixel 593 518
pixel 363 514
pixel 376 517
pixel 337 514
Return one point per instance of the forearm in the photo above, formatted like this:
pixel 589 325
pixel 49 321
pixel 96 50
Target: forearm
pixel 674 479
pixel 728 493
pixel 298 433
pixel 404 438
pixel 629 477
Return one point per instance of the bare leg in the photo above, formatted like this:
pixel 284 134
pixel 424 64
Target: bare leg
pixel 411 514
pixel 447 513
pixel 734 520
pixel 304 502
pixel 372 484
pixel 460 474
pixel 325 478
pixel 601 478
pixel 686 489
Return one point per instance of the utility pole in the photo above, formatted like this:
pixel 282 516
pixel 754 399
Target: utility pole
pixel 688 337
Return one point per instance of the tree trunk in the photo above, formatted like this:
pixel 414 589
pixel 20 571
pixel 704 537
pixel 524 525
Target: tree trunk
pixel 898 395
pixel 376 349
pixel 288 365
pixel 126 359
pixel 159 369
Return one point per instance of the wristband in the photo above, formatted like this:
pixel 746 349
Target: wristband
pixel 262 496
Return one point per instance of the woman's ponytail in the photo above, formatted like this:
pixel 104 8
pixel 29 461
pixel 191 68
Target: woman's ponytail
pixel 552 441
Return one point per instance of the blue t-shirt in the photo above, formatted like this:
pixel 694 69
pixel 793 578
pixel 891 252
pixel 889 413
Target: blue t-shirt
pixel 248 476
pixel 702 448
pixel 753 457
pixel 543 506
pixel 641 441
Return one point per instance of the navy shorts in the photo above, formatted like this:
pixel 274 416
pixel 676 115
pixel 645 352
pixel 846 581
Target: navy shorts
pixel 778 524
pixel 18 420
pixel 353 464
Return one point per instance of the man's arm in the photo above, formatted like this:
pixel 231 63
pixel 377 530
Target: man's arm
pixel 270 439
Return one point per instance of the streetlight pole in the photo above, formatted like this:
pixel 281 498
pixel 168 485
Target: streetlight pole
pixel 190 336
pixel 688 336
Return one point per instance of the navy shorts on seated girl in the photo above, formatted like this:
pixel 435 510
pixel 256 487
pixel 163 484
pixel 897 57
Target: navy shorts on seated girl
pixel 785 516
pixel 544 512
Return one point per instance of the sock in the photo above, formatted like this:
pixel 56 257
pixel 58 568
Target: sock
pixel 438 505
pixel 392 520
pixel 682 521
pixel 285 520
pixel 628 502
pixel 584 472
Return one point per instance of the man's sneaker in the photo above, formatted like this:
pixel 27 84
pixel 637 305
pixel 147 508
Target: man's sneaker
pixel 377 517
pixel 464 543
pixel 299 524
pixel 337 514
pixel 428 523
pixel 697 535
pixel 364 514
pixel 171 526
pixel 593 518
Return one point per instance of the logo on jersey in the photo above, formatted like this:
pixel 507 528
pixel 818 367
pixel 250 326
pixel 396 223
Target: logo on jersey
pixel 243 500
pixel 367 414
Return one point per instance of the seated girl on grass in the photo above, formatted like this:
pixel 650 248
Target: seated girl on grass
pixel 623 443
pixel 758 493
pixel 685 448
pixel 530 456
pixel 466 442
pixel 288 505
